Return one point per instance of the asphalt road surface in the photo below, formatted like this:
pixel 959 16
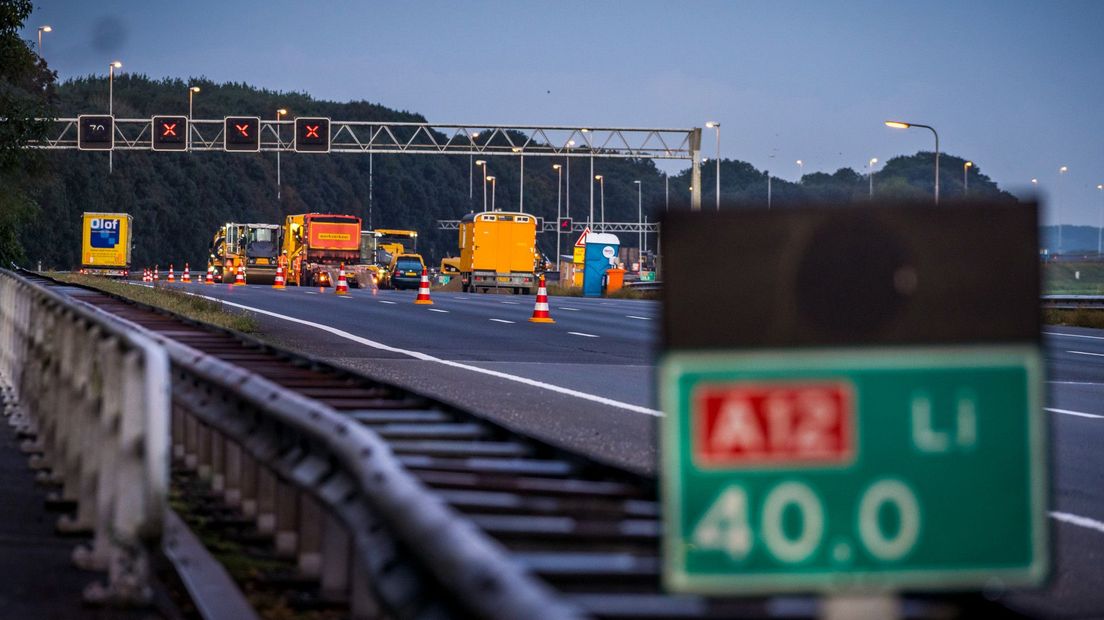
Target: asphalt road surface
pixel 587 382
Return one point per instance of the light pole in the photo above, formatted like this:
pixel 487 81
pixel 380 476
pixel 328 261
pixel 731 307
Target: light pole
pixel 471 169
pixel 870 173
pixel 279 113
pixel 767 172
pixel 1100 227
pixel 42 29
pixel 559 231
pixel 493 185
pixel 192 90
pixel 666 192
pixel 639 221
pixel 1058 203
pixel 717 126
pixel 521 192
pixel 801 170
pixel 115 64
pixel 602 182
pixel 966 177
pixel 482 163
pixel 903 125
pixel 567 177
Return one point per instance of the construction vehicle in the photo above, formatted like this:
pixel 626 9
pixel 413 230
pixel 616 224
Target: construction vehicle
pixel 498 250
pixel 449 269
pixel 106 244
pixel 317 244
pixel 380 251
pixel 253 246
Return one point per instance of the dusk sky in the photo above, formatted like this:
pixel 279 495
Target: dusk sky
pixel 1015 86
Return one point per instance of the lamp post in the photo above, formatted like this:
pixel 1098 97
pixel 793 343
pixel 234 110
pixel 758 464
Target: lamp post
pixel 483 164
pixel 279 113
pixel 471 169
pixel 1061 186
pixel 493 185
pixel 602 182
pixel 559 231
pixel 800 170
pixel 639 220
pixel 904 125
pixel 521 174
pixel 567 177
pixel 966 177
pixel 42 29
pixel 1100 226
pixel 192 90
pixel 767 172
pixel 666 192
pixel 717 126
pixel 870 173
pixel 115 64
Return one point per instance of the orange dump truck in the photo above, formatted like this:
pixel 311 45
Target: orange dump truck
pixel 317 244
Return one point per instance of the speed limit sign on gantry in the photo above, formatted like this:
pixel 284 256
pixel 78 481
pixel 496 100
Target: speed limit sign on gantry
pixel 860 410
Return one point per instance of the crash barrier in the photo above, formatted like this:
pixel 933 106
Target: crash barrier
pixel 333 496
pixel 92 399
pixel 1073 302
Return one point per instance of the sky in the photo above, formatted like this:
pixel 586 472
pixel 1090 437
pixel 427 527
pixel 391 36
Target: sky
pixel 1014 86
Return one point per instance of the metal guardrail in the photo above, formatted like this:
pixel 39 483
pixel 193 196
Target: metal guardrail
pixel 640 285
pixel 94 400
pixel 333 496
pixel 1073 302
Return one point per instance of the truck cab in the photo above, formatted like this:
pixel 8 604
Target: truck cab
pixel 317 244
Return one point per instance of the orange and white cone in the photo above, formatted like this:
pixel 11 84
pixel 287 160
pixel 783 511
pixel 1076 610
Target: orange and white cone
pixel 342 286
pixel 239 278
pixel 540 309
pixel 279 281
pixel 145 275
pixel 423 290
pixel 187 277
pixel 156 273
pixel 210 279
pixel 172 276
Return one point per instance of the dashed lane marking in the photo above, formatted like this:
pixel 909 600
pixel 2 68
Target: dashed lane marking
pixel 639 318
pixel 1073 335
pixel 1079 414
pixel 500 320
pixel 1086 353
pixel 384 301
pixel 438 310
pixel 569 309
pixel 436 360
pixel 582 334
pixel 1072 519
pixel 512 303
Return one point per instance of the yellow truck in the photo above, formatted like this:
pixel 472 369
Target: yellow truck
pixel 255 246
pixel 498 250
pixel 317 244
pixel 106 244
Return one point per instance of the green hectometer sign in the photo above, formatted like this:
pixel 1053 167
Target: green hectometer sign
pixel 895 467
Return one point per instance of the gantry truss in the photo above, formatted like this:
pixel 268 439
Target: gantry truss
pixel 576 226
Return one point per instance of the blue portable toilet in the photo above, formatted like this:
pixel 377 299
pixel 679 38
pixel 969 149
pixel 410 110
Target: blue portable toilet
pixel 602 250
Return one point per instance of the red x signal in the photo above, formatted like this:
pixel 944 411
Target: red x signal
pixel 312 131
pixel 168 129
pixel 243 130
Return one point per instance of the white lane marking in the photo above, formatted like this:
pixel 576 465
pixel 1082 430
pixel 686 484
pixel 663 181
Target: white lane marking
pixel 1073 335
pixel 1085 522
pixel 1073 383
pixel 582 334
pixel 500 320
pixel 1086 353
pixel 602 400
pixel 639 318
pixel 1079 414
pixel 384 301
pixel 310 292
pixel 437 310
pixel 569 309
pixel 512 303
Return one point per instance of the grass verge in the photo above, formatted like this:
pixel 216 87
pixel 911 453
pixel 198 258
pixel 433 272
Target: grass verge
pixel 1074 318
pixel 190 306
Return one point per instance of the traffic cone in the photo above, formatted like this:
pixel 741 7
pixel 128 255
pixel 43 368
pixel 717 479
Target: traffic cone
pixel 145 275
pixel 172 277
pixel 279 281
pixel 540 309
pixel 156 273
pixel 187 277
pixel 210 279
pixel 239 279
pixel 423 290
pixel 342 287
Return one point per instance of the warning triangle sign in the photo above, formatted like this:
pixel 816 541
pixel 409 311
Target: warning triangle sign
pixel 581 241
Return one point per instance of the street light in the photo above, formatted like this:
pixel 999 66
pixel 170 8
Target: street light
pixel 602 182
pixel 717 126
pixel 279 113
pixel 115 64
pixel 42 29
pixel 493 185
pixel 483 163
pixel 471 168
pixel 639 221
pixel 1061 171
pixel 870 173
pixel 559 233
pixel 801 170
pixel 192 90
pixel 903 125
pixel 567 180
pixel 521 194
pixel 966 177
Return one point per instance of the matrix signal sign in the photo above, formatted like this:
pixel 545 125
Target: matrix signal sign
pixel 170 133
pixel 95 132
pixel 242 133
pixel 312 135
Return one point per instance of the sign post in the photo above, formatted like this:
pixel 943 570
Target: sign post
pixel 858 413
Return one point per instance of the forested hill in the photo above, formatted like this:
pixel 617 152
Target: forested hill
pixel 179 199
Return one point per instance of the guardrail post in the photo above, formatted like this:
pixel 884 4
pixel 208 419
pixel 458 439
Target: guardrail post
pixel 249 486
pixel 266 501
pixel 232 491
pixel 287 520
pixel 334 561
pixel 311 520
